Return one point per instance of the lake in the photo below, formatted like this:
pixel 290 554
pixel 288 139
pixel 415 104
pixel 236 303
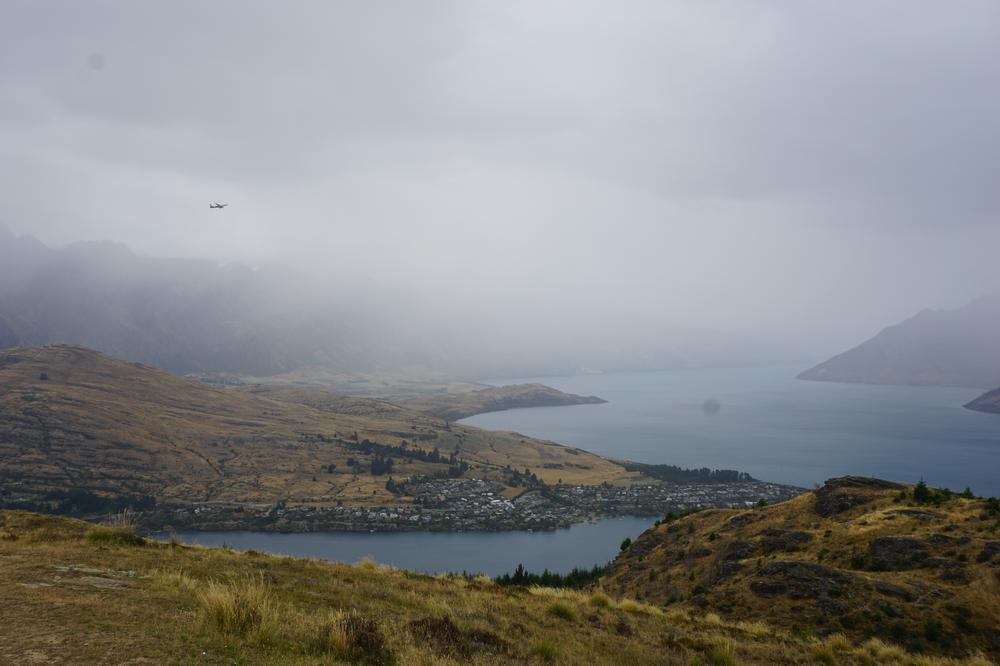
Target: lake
pixel 491 553
pixel 758 420
pixel 777 428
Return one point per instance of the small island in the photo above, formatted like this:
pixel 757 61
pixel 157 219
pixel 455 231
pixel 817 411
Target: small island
pixel 988 402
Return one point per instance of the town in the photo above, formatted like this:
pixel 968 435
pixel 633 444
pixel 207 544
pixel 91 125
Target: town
pixel 479 505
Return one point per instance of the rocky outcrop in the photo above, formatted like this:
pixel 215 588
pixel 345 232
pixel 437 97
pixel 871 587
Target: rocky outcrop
pixel 800 580
pixel 990 550
pixel 846 492
pixel 896 553
pixel 775 540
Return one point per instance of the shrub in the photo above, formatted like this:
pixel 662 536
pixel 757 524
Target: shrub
pixel 545 651
pixel 626 544
pixel 932 630
pixel 561 611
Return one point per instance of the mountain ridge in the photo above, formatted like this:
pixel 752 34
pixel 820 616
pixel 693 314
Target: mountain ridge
pixel 932 348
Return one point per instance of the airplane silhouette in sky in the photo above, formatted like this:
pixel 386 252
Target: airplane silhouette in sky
pixel 216 204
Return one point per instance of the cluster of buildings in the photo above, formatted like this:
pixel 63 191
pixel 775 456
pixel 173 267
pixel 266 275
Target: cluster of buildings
pixel 482 505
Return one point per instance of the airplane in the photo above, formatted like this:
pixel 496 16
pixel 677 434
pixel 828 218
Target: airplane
pixel 216 204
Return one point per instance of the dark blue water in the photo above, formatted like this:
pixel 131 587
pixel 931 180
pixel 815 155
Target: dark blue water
pixel 491 553
pixel 774 426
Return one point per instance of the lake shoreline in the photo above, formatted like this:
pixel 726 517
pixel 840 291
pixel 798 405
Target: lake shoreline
pixel 460 505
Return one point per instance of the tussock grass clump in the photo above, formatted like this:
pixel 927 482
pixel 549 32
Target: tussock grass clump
pixel 119 530
pixel 600 600
pixel 882 653
pixel 446 637
pixel 759 629
pixel 545 651
pixel 356 638
pixel 242 606
pixel 633 606
pixel 561 611
pixel 723 653
pixel 823 654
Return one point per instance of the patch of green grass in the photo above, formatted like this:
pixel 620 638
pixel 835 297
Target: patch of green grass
pixel 102 535
pixel 545 651
pixel 561 611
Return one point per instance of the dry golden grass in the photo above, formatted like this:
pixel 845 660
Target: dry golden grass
pixel 738 566
pixel 180 605
pixel 119 427
pixel 242 606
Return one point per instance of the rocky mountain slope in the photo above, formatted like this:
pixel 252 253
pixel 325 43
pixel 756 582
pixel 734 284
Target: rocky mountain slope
pixel 858 556
pixel 74 593
pixel 939 348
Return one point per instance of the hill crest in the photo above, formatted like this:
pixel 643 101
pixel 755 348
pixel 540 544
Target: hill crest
pixel 857 556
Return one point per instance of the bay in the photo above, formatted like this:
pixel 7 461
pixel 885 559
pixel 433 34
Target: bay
pixel 763 421
pixel 490 553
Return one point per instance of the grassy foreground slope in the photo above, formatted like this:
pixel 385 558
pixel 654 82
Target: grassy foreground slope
pixel 73 593
pixel 71 417
pixel 859 556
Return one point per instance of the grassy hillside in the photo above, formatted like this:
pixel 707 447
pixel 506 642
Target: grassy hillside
pixel 455 405
pixel 74 593
pixel 858 556
pixel 74 418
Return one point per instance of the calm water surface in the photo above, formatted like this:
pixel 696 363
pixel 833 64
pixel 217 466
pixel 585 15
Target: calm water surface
pixel 491 553
pixel 772 425
pixel 766 423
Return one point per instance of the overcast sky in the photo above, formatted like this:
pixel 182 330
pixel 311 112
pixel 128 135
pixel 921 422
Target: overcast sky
pixel 818 169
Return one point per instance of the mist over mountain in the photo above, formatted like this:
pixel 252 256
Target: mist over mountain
pixel 959 347
pixel 188 315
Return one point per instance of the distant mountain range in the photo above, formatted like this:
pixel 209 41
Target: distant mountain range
pixel 958 347
pixel 196 316
pixel 177 314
